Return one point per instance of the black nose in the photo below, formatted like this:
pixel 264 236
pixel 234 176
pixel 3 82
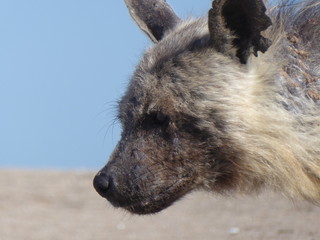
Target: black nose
pixel 101 183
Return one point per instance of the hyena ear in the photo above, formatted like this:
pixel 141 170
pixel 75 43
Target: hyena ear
pixel 154 17
pixel 238 23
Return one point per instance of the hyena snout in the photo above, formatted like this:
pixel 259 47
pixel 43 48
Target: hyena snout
pixel 136 180
pixel 123 180
pixel 110 185
pixel 109 182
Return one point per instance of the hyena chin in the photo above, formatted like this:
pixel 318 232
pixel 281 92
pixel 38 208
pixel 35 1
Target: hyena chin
pixel 227 103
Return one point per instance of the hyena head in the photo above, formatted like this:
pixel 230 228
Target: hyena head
pixel 173 138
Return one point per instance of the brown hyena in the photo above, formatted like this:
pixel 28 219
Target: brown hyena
pixel 227 103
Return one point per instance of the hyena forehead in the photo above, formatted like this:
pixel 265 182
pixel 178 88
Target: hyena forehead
pixel 155 80
pixel 187 35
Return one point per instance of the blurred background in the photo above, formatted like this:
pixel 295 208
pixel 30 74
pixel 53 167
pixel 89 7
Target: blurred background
pixel 63 67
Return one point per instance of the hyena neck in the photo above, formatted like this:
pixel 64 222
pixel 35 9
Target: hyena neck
pixel 266 145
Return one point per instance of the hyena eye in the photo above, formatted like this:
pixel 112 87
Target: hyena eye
pixel 161 118
pixel 157 119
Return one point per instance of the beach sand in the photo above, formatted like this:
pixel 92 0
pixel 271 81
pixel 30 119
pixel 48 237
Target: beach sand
pixel 62 205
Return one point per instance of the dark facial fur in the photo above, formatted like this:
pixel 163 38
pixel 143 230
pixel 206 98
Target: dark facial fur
pixel 203 115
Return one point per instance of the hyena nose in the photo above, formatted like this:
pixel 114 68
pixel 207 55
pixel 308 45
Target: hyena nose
pixel 101 183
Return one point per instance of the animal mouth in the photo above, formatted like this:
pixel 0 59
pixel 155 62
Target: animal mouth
pixel 148 207
pixel 155 203
pixel 145 205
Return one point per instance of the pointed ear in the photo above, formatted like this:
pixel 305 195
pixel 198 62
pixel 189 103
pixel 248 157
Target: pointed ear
pixel 238 23
pixel 154 17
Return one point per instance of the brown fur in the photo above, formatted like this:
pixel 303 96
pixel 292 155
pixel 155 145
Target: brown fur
pixel 195 117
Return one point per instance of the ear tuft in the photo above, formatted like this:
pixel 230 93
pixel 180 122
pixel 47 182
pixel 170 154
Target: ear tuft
pixel 239 23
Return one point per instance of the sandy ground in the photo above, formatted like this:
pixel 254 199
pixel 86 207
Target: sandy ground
pixel 63 206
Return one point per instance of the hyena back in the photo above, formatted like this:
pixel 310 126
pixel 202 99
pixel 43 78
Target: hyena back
pixel 227 103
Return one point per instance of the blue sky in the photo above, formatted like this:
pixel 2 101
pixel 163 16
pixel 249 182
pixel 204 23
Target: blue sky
pixel 63 66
